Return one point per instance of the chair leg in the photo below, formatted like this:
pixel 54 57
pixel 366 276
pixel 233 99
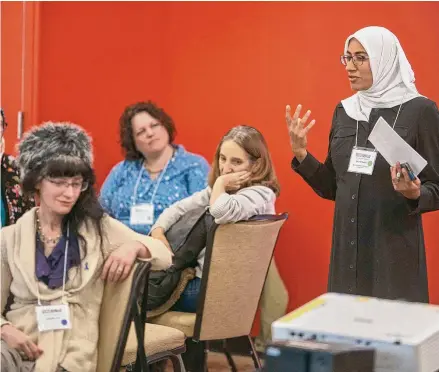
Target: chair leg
pixel 195 356
pixel 229 357
pixel 158 366
pixel 133 367
pixel 254 354
pixel 180 360
pixel 206 353
pixel 177 363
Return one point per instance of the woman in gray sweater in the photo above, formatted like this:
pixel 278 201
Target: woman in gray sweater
pixel 242 184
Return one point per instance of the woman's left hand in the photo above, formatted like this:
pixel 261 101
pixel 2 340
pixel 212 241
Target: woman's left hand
pixel 118 265
pixel 403 184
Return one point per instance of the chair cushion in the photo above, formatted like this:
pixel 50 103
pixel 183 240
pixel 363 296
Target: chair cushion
pixel 186 276
pixel 157 339
pixel 184 322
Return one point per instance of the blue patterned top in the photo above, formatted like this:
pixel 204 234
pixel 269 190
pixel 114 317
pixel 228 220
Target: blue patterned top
pixel 186 174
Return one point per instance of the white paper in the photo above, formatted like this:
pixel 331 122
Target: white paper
pixel 393 148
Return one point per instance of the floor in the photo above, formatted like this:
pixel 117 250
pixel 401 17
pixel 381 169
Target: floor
pixel 217 362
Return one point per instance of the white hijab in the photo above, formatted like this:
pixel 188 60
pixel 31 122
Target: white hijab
pixel 393 77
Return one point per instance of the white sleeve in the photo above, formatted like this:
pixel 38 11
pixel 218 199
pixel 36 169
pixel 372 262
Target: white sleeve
pixel 173 213
pixel 117 234
pixel 246 203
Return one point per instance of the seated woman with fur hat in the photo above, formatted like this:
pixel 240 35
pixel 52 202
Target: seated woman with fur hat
pixel 57 256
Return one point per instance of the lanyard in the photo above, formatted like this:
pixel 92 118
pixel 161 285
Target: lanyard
pixel 393 127
pixel 162 173
pixel 66 251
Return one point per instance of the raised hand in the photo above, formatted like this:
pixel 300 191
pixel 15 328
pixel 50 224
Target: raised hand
pixel 298 130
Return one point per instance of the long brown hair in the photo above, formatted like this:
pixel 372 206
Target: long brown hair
pixel 252 141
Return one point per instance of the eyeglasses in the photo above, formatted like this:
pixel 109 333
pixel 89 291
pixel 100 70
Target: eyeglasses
pixel 64 185
pixel 356 59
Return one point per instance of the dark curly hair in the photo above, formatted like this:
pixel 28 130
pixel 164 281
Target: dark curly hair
pixel 126 128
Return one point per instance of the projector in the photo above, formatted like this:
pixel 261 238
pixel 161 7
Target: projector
pixel 405 335
pixel 312 356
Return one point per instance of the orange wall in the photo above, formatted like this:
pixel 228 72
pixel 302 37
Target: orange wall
pixel 16 39
pixel 96 58
pixel 215 65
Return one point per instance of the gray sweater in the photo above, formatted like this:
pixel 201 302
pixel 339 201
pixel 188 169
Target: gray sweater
pixel 246 203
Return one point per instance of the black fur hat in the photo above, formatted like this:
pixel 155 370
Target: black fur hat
pixel 51 141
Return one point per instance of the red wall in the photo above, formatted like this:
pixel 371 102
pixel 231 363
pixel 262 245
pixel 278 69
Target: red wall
pixel 215 65
pixel 19 34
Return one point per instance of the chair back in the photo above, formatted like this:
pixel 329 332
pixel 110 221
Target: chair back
pixel 236 264
pixel 118 310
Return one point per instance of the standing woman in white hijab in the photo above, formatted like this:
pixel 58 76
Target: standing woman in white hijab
pixel 378 244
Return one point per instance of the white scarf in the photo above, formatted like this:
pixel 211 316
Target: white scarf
pixel 393 77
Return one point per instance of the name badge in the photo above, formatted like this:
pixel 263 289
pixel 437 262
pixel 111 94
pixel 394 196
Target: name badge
pixel 362 160
pixel 142 214
pixel 53 317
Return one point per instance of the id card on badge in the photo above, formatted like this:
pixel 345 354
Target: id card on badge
pixel 362 160
pixel 53 317
pixel 142 214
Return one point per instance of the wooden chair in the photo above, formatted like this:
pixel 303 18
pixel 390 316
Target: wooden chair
pixel 236 264
pixel 122 329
